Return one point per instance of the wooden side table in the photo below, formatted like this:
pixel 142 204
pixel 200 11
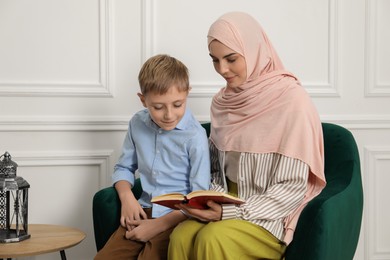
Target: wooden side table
pixel 44 239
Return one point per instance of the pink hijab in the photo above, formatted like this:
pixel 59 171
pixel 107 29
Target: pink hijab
pixel 271 112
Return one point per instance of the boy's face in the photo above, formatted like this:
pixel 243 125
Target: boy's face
pixel 168 109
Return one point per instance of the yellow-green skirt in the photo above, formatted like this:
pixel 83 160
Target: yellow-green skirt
pixel 223 240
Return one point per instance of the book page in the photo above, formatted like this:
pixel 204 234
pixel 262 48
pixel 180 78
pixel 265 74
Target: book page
pixel 169 196
pixel 210 193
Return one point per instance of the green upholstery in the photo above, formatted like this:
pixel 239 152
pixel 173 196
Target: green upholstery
pixel 329 226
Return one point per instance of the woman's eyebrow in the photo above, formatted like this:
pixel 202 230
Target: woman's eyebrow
pixel 227 56
pixel 224 57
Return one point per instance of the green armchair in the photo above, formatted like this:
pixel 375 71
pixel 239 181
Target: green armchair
pixel 329 226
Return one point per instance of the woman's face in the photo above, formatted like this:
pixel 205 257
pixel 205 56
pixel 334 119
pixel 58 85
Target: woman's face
pixel 228 63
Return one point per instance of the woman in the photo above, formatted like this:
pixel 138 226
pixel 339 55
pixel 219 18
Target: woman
pixel 266 147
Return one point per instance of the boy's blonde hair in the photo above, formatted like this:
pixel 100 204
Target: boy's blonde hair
pixel 161 72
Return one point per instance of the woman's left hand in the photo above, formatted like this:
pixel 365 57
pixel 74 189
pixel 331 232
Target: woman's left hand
pixel 214 213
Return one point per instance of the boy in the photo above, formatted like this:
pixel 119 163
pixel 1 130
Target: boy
pixel 169 148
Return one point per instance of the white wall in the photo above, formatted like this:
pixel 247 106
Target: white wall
pixel 68 83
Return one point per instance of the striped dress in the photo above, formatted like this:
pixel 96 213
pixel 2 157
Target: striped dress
pixel 272 185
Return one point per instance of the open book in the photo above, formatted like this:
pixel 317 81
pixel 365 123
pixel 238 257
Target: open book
pixel 196 199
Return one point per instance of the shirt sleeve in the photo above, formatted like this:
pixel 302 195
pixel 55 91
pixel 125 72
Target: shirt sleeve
pixel 127 164
pixel 284 191
pixel 217 181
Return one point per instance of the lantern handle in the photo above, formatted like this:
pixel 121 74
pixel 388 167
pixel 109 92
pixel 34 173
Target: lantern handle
pixel 6 155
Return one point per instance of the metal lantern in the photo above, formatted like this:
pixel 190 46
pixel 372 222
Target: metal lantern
pixel 13 202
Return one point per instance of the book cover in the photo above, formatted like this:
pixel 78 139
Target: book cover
pixel 196 199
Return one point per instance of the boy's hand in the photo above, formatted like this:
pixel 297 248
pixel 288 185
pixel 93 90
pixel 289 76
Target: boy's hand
pixel 143 230
pixel 131 211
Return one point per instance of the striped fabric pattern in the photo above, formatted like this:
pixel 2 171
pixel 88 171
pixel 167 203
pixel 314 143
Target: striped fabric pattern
pixel 272 184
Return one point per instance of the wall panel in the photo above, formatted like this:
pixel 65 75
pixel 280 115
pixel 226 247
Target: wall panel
pixel 316 47
pixel 377 52
pixel 69 41
pixel 377 210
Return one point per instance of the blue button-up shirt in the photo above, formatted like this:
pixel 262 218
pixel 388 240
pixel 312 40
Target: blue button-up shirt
pixel 167 161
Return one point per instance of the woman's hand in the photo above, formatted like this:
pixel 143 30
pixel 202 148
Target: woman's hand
pixel 214 213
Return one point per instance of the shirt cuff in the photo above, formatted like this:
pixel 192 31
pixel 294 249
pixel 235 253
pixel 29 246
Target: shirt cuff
pixel 121 175
pixel 228 211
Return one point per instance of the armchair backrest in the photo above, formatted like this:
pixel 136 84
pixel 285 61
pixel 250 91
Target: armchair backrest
pixel 329 226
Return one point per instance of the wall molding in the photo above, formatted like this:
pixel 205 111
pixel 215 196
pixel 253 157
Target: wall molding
pixel 372 88
pixel 120 123
pixel 99 88
pixel 359 122
pixel 147 30
pixel 63 124
pixel 372 156
pixel 99 158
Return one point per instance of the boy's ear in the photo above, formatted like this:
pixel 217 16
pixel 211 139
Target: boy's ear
pixel 142 98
